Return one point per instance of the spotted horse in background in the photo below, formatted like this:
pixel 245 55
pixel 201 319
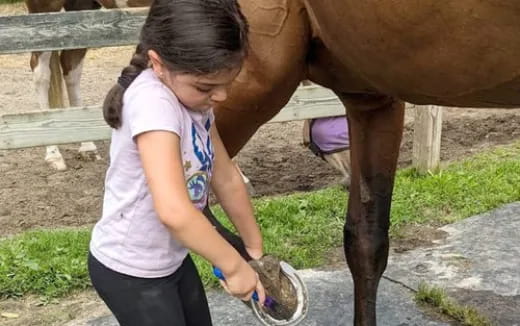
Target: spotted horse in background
pixel 68 67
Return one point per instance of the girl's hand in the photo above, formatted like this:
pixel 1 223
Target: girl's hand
pixel 243 283
pixel 255 253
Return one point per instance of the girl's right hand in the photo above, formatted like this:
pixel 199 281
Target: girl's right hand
pixel 243 282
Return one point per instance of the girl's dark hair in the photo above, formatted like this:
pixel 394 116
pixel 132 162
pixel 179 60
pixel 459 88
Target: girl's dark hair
pixel 190 36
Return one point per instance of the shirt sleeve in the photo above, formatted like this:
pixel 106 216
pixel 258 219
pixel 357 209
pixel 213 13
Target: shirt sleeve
pixel 152 110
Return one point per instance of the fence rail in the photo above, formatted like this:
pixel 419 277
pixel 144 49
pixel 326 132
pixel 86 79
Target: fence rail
pixel 62 126
pixel 70 30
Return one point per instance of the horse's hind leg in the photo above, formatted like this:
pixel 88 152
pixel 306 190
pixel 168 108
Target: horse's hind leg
pixel 41 67
pixel 376 125
pixel 40 61
pixel 341 162
pixel 72 67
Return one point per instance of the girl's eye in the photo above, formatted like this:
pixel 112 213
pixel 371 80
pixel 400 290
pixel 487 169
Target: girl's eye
pixel 203 89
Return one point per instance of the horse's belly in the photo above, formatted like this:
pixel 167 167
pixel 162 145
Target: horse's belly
pixel 425 49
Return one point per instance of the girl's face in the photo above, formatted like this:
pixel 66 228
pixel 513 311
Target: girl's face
pixel 200 92
pixel 196 92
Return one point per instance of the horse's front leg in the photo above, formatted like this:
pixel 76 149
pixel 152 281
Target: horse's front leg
pixel 376 125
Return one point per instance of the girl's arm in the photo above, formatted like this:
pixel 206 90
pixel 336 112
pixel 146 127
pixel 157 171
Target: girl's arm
pixel 230 190
pixel 161 158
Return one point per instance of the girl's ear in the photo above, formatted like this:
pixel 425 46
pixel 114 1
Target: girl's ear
pixel 157 64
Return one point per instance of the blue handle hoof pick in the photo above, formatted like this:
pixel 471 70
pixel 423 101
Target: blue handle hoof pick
pixel 269 301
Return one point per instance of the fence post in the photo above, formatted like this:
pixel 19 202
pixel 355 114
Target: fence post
pixel 427 138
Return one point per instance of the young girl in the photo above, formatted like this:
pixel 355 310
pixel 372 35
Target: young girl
pixel 165 153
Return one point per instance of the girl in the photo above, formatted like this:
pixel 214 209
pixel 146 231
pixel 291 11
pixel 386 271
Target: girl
pixel 165 153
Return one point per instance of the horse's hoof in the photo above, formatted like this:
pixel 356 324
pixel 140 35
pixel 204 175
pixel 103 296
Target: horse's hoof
pixel 345 182
pixel 89 156
pixel 57 164
pixel 88 152
pixel 54 159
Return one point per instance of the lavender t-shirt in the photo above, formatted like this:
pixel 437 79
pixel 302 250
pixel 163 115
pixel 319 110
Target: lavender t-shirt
pixel 129 238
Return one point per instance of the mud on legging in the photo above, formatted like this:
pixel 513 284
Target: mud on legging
pixel 175 300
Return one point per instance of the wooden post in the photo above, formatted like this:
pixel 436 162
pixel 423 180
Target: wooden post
pixel 427 138
pixel 56 84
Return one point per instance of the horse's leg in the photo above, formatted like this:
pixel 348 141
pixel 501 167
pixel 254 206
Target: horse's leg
pixel 40 65
pixel 376 125
pixel 279 33
pixel 40 61
pixel 72 67
pixel 341 162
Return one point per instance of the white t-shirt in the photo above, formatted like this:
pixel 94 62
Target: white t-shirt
pixel 129 238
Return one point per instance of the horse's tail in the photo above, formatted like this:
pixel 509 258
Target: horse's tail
pixel 56 99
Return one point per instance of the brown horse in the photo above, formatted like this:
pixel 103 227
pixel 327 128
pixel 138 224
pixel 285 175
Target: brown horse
pixel 374 54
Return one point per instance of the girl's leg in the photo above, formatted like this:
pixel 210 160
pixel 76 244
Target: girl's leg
pixel 193 296
pixel 145 302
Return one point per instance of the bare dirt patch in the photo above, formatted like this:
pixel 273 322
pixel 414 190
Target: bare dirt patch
pixel 30 311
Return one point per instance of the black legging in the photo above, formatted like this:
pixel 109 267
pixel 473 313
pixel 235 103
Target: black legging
pixel 175 300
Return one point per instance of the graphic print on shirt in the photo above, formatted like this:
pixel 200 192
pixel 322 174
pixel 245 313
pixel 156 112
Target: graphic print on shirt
pixel 197 184
pixel 203 153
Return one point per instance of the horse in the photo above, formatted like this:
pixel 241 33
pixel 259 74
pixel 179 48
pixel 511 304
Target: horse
pixel 375 55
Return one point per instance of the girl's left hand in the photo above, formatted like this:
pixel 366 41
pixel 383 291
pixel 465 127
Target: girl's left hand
pixel 255 253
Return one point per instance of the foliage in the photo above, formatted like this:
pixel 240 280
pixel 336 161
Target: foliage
pixel 49 263
pixel 3 2
pixel 437 298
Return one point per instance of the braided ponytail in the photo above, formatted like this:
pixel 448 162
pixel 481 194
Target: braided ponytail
pixel 113 104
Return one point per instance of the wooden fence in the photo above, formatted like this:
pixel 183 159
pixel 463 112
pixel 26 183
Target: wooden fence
pixel 104 28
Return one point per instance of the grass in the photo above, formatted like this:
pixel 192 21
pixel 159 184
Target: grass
pixel 299 228
pixel 49 263
pixel 462 189
pixel 437 298
pixel 4 2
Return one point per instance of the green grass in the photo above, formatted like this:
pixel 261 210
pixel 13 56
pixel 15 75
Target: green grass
pixel 49 263
pixel 3 2
pixel 462 189
pixel 437 298
pixel 299 228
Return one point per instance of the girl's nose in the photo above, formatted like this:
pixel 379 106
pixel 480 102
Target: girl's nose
pixel 219 95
